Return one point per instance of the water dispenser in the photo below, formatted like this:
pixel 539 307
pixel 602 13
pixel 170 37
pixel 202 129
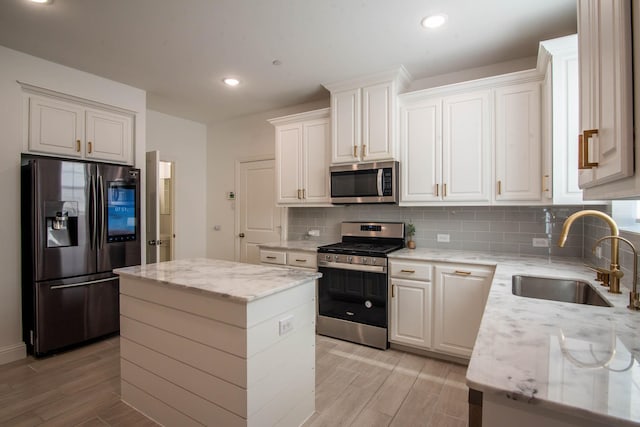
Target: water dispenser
pixel 62 223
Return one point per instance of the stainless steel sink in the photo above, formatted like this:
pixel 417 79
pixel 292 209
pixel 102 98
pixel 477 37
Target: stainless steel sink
pixel 564 290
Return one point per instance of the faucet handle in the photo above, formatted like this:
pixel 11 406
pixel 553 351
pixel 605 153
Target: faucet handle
pixel 602 274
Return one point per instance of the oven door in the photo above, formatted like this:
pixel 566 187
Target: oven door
pixel 353 295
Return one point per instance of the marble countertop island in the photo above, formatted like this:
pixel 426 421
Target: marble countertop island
pixel 577 360
pixel 236 281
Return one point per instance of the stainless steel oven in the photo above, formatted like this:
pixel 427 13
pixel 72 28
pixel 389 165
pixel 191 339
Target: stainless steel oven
pixel 352 293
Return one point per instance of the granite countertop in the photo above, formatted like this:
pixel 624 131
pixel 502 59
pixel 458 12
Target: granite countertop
pixel 233 280
pixel 577 359
pixel 298 245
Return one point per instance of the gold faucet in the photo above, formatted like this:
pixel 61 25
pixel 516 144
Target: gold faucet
pixel 634 298
pixel 614 272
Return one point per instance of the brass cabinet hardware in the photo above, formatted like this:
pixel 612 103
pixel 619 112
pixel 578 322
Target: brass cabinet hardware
pixel 355 151
pixel 271 257
pixel 301 260
pixel 462 273
pixel 544 178
pixel 437 190
pixel 444 190
pixel 90 147
pixel 499 187
pixel 407 271
pixel 78 145
pixel 393 291
pixel 362 151
pixel 583 149
pixel 299 194
pixel 304 193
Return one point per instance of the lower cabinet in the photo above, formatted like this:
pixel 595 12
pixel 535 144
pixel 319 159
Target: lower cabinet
pixel 291 258
pixel 460 295
pixel 437 307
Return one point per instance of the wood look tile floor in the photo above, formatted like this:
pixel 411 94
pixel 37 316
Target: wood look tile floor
pixel 355 386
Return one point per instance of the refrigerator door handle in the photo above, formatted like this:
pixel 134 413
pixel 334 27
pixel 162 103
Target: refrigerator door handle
pixel 91 282
pixel 101 237
pixel 94 211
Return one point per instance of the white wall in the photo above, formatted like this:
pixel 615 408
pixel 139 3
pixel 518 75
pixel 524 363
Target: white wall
pixel 28 69
pixel 242 138
pixel 184 142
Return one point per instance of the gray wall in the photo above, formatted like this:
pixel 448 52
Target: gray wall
pixel 496 229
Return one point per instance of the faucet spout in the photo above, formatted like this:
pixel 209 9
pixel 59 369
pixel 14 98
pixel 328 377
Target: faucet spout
pixel 634 298
pixel 614 270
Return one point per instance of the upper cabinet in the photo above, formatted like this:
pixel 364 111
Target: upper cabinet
pixel 448 135
pixel 606 91
pixel 63 127
pixel 363 117
pixel 302 159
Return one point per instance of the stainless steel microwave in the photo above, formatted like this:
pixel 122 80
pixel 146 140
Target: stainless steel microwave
pixel 365 183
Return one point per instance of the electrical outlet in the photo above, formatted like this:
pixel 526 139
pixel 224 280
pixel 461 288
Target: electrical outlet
pixel 540 242
pixel 443 238
pixel 598 252
pixel 314 233
pixel 285 325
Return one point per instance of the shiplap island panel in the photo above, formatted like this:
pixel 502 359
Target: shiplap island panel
pixel 211 342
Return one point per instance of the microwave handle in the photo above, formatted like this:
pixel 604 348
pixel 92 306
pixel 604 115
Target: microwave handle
pixel 380 192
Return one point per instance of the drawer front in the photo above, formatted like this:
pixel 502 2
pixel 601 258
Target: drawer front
pixel 302 259
pixel 411 270
pixel 273 257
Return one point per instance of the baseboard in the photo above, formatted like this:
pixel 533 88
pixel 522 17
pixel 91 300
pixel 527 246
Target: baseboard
pixel 13 352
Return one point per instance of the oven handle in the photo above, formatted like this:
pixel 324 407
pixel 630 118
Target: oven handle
pixel 355 267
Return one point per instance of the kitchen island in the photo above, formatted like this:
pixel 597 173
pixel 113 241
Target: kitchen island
pixel 218 343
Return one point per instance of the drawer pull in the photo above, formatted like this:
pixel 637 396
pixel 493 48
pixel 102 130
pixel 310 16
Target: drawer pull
pixel 271 257
pixel 393 291
pixel 407 271
pixel 462 273
pixel 301 260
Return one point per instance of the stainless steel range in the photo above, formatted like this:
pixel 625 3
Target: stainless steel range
pixel 352 293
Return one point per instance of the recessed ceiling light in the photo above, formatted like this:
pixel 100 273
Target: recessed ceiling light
pixel 230 81
pixel 42 1
pixel 434 21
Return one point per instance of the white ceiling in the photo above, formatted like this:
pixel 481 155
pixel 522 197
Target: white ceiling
pixel 179 50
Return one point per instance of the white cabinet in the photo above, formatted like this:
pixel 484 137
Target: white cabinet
pixel 302 159
pixel 410 310
pixel 62 127
pixel 518 145
pixel 460 296
pixel 291 258
pixel 446 146
pixel 363 117
pixel 606 97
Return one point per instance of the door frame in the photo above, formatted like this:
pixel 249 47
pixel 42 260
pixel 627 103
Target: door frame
pixel 284 214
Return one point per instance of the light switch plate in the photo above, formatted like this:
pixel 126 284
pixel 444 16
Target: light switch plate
pixel 443 238
pixel 540 242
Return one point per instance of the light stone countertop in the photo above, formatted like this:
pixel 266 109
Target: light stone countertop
pixel 226 279
pixel 297 245
pixel 576 359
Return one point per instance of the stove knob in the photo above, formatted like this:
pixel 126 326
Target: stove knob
pixel 349 259
pixel 336 258
pixel 374 261
pixel 327 257
pixel 365 260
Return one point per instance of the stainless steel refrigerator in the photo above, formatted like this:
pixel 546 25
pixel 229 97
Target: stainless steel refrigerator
pixel 80 220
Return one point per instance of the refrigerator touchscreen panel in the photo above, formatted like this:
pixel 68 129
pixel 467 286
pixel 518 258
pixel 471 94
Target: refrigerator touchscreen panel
pixel 121 212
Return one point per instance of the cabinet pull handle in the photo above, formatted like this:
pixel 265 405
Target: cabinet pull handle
pixel 444 190
pixel 437 190
pixel 355 151
pixel 271 257
pixel 362 150
pixel 462 273
pixel 407 271
pixel 78 145
pixel 499 187
pixel 544 177
pixel 90 147
pixel 304 193
pixel 393 291
pixel 301 260
pixel 299 193
pixel 583 149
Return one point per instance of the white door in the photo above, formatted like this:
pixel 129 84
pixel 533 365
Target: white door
pixel 410 312
pixel 518 143
pixel 421 145
pixel 460 296
pixel 259 219
pixel 153 206
pixel 466 149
